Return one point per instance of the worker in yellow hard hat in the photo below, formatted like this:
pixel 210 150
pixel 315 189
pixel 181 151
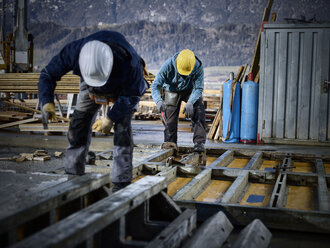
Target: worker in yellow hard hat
pixel 182 78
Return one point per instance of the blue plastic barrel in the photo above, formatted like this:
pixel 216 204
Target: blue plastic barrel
pixel 249 112
pixel 231 118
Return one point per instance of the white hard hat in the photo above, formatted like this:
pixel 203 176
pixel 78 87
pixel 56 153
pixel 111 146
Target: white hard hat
pixel 95 62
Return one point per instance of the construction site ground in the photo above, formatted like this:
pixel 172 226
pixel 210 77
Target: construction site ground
pixel 148 137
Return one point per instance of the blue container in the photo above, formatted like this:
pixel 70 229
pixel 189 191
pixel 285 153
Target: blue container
pixel 249 112
pixel 231 119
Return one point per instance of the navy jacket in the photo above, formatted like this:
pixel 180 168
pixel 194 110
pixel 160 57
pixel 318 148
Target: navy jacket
pixel 169 78
pixel 126 78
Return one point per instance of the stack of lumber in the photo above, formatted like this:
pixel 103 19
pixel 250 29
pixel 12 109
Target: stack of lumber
pixel 24 114
pixel 11 83
pixel 28 83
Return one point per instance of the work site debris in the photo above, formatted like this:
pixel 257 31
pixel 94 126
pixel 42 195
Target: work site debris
pixel 58 154
pixel 42 158
pixel 40 153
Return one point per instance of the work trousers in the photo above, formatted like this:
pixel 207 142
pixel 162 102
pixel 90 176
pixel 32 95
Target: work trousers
pixel 198 121
pixel 80 134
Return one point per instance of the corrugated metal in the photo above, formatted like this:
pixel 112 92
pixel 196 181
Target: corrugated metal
pixel 294 63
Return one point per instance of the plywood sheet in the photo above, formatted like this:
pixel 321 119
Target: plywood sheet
pixel 239 163
pixel 258 194
pixel 209 160
pixel 302 167
pixel 300 197
pixel 214 191
pixel 269 164
pixel 177 184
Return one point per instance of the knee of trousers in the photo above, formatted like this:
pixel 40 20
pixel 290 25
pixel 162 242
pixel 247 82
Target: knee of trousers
pixel 79 128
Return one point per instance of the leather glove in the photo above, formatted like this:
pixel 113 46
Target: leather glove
pixel 188 109
pixel 103 125
pixel 161 106
pixel 49 110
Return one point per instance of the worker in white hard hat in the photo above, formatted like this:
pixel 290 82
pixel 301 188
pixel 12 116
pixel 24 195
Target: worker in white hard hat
pixel 110 71
pixel 182 79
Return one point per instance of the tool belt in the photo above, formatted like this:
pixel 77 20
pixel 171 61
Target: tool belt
pixel 103 99
pixel 171 98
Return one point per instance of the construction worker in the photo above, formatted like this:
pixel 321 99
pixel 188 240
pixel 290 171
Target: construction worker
pixel 181 78
pixel 110 71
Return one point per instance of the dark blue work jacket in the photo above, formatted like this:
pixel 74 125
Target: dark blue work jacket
pixel 127 81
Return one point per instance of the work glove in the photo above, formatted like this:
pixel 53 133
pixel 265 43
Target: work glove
pixel 188 109
pixel 49 111
pixel 103 125
pixel 161 106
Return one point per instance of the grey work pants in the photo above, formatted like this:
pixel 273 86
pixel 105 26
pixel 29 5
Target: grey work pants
pixel 198 121
pixel 80 134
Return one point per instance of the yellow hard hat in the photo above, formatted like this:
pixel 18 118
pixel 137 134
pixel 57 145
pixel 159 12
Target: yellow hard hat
pixel 185 62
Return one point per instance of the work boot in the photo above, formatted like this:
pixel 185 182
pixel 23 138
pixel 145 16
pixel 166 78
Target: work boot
pixel 199 147
pixel 90 158
pixel 169 145
pixel 119 186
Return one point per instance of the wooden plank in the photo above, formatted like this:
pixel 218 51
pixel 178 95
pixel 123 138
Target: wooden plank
pixel 15 123
pixel 322 188
pixel 223 160
pixel 35 75
pixel 191 189
pixel 255 161
pixel 242 76
pixel 177 231
pixel 236 189
pixel 19 211
pixel 217 121
pixel 254 68
pixel 212 233
pixel 38 127
pixel 218 133
pixel 89 221
pixel 255 235
pixel 214 124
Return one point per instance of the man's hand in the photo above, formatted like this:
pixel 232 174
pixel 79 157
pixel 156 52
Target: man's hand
pixel 161 106
pixel 49 110
pixel 103 125
pixel 188 109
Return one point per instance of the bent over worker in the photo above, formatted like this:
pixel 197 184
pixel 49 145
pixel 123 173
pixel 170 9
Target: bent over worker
pixel 110 70
pixel 182 79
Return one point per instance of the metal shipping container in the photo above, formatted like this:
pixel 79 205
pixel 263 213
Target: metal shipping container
pixel 294 102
